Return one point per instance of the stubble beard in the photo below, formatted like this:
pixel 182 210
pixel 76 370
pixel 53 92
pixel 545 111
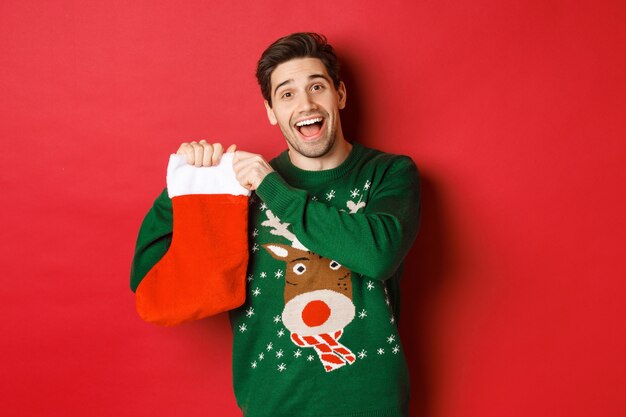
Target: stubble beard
pixel 311 150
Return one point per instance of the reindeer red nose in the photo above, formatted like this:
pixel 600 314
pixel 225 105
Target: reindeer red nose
pixel 315 313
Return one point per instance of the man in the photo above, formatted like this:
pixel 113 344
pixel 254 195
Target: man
pixel 330 225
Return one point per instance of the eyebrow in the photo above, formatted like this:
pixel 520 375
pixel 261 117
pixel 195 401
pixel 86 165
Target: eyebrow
pixel 299 259
pixel 311 77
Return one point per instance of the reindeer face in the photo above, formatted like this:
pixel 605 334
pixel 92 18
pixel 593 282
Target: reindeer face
pixel 307 271
pixel 318 291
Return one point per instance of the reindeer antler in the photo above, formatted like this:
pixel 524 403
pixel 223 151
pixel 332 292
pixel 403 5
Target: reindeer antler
pixel 280 229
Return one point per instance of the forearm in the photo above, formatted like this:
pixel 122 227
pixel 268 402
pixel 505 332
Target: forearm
pixel 372 243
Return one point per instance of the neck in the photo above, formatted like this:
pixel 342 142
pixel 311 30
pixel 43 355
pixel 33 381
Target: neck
pixel 335 157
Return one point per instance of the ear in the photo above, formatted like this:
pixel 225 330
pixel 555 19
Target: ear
pixel 341 92
pixel 277 250
pixel 270 113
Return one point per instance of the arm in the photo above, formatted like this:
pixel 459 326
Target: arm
pixel 372 243
pixel 155 237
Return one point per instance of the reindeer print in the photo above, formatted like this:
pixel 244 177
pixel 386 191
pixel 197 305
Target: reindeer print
pixel 317 295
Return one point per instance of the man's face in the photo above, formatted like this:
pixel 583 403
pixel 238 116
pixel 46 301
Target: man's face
pixel 305 105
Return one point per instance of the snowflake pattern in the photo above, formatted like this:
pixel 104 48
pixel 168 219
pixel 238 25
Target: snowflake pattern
pixel 310 358
pixel 367 185
pixel 330 195
pixel 243 328
pixel 370 285
pixel 263 207
pixel 276 319
pixel 354 193
pixel 253 365
pixel 391 339
pixel 279 354
pixel 255 233
pixel 250 312
pixel 261 356
pixel 270 346
pixel 392 320
pixel 280 333
pixel 380 351
pixel 396 349
pixel 255 247
pixel 297 353
pixel 263 274
pixel 250 277
pixel 282 367
pixel 256 292
pixel 278 274
pixel 363 314
pixel 362 354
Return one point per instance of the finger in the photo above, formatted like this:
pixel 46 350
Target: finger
pixel 198 153
pixel 218 150
pixel 231 148
pixel 207 154
pixel 186 150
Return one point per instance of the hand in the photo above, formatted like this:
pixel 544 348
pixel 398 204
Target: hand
pixel 250 169
pixel 203 154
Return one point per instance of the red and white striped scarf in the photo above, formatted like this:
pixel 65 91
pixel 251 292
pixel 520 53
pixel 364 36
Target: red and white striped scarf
pixel 333 354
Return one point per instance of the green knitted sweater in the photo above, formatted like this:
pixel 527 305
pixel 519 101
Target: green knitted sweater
pixel 317 335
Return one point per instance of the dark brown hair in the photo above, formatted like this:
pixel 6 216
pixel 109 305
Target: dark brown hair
pixel 296 45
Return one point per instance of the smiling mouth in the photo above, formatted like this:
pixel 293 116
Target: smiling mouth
pixel 310 128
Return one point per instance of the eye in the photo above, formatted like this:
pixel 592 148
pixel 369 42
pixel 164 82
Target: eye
pixel 317 87
pixel 286 94
pixel 299 268
pixel 334 265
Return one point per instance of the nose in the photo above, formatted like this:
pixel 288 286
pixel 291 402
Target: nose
pixel 306 103
pixel 315 313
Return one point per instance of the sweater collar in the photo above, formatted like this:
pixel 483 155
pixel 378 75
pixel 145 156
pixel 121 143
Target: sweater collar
pixel 297 176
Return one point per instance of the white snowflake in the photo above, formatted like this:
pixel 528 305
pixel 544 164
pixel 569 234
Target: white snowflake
pixel 276 319
pixel 310 358
pixel 282 367
pixel 330 195
pixel 280 333
pixel 396 349
pixel 314 198
pixel 354 193
pixel 255 248
pixel 263 206
pixel 363 314
pixel 370 285
pixel 250 312
pixel 243 328
pixel 270 346
pixel 261 356
pixel 297 353
pixel 253 365
pixel 367 185
pixel 387 301
pixel 250 277
pixel 391 339
pixel 362 354
pixel 252 199
pixel 255 233
pixel 280 353
pixel 256 292
pixel 392 320
pixel 263 274
pixel 380 351
pixel 278 274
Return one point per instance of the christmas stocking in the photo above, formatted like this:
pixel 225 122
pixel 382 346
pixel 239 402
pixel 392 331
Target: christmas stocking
pixel 203 271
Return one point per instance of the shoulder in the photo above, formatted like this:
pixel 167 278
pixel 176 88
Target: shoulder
pixel 385 162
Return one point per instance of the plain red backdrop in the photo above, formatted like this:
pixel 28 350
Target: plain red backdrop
pixel 514 301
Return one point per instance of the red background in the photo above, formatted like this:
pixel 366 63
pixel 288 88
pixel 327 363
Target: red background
pixel 515 295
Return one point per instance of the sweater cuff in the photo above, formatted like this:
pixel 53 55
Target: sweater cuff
pixel 277 194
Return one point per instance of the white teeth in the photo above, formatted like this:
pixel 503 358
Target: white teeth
pixel 308 122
